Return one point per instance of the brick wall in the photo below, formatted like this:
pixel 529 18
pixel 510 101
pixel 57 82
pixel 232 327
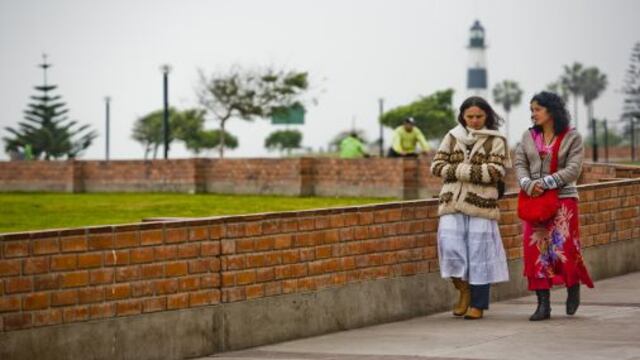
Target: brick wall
pixel 36 176
pixel 374 177
pixel 77 275
pixel 358 177
pixel 615 153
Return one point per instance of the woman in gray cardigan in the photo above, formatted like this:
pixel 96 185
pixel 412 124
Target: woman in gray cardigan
pixel 552 253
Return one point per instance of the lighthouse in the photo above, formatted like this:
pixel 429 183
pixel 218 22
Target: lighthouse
pixel 477 69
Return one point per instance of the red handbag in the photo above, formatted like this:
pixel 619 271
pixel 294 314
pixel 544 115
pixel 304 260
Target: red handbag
pixel 544 207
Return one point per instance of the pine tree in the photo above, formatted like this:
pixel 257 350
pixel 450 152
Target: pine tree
pixel 47 129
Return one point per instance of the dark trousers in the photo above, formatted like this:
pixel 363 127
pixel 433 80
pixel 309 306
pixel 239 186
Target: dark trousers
pixel 393 154
pixel 480 296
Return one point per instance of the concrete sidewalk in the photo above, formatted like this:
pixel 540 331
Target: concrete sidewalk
pixel 607 326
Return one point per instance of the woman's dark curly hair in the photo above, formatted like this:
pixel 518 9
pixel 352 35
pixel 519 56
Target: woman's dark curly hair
pixel 556 108
pixel 493 119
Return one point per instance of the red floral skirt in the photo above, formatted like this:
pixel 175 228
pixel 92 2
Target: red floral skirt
pixel 552 253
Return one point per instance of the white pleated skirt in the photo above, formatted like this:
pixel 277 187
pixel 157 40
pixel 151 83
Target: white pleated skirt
pixel 471 248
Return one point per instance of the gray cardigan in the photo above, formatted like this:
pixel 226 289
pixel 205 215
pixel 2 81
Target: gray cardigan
pixel 531 169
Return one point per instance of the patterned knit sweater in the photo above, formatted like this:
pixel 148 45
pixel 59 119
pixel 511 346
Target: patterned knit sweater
pixel 469 173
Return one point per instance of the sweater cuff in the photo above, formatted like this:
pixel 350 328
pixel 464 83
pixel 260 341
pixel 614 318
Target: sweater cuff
pixel 549 182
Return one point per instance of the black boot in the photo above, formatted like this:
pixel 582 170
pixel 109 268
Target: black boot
pixel 543 311
pixel 573 299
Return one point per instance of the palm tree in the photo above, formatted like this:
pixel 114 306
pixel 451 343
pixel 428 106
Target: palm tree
pixel 593 84
pixel 572 81
pixel 508 94
pixel 558 88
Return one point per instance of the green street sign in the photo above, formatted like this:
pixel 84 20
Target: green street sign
pixel 293 115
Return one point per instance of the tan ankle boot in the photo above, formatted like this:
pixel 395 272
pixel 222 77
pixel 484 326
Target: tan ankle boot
pixel 473 314
pixel 464 297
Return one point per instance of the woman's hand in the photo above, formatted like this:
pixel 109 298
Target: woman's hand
pixel 537 190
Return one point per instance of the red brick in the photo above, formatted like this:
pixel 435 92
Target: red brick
pixel 91 295
pixel 35 301
pixel 255 260
pixel 151 237
pixel 235 230
pixel 283 242
pixel 176 269
pixel 153 305
pixel 289 286
pixel 151 271
pixel 100 241
pixel 116 257
pixel 264 244
pixel 119 291
pixel 178 301
pixel 246 277
pixel 198 234
pixel 73 243
pixel 47 317
pixel 142 288
pixel 17 321
pixel 245 245
pixel 9 267
pixel 128 273
pixel 102 311
pixel 126 239
pixel 65 297
pixel 76 313
pixel 322 222
pixel 202 298
pixel 323 252
pixel 306 224
pixel 228 246
pixel 290 256
pixel 190 250
pixel 198 266
pixel 129 307
pixel 16 249
pixel 89 260
pixel 18 285
pixel 234 294
pixel 210 248
pixel 214 265
pixel 9 303
pixel 271 227
pixel 45 246
pixel 63 262
pixel 265 274
pixel 273 288
pixel 141 255
pixel 101 276
pixel 167 286
pixel 215 232
pixel 176 235
pixel 228 279
pixel 210 281
pixel 188 283
pixel 167 252
pixel 74 279
pixel 253 229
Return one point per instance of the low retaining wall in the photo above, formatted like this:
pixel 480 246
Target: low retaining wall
pixel 191 288
pixel 374 177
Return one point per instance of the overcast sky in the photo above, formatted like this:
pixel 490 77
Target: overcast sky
pixel 355 52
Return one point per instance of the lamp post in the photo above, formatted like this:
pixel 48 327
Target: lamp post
pixel 165 118
pixel 381 110
pixel 594 136
pixel 606 141
pixel 107 109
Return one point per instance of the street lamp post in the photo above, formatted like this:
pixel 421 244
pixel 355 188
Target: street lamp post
pixel 381 109
pixel 107 109
pixel 165 118
pixel 594 136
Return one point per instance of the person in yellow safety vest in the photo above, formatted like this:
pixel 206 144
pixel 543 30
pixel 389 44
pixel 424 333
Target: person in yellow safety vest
pixel 352 148
pixel 405 139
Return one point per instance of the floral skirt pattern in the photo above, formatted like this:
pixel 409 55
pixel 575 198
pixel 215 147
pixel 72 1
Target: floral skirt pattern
pixel 552 254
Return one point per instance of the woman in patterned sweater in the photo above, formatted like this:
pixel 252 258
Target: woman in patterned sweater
pixel 471 160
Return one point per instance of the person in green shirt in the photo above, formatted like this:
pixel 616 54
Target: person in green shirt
pixel 405 139
pixel 352 148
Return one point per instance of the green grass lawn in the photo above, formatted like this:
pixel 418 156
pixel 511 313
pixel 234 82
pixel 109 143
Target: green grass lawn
pixel 34 211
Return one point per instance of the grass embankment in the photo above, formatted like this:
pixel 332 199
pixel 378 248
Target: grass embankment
pixel 35 211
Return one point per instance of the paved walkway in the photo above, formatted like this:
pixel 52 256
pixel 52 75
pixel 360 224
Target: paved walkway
pixel 607 326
